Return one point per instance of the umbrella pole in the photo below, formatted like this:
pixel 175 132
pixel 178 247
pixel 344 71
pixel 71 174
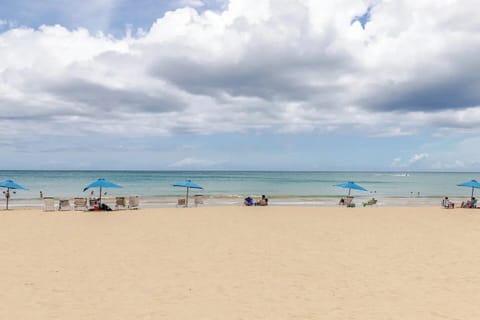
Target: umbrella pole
pixel 349 190
pixel 100 199
pixel 186 200
pixel 8 196
pixel 472 193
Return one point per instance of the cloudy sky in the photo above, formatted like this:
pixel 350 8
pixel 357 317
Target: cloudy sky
pixel 240 84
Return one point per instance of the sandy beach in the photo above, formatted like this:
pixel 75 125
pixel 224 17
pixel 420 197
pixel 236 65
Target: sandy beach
pixel 241 263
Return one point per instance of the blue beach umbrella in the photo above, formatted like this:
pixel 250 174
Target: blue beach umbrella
pixel 471 184
pixel 101 183
pixel 10 184
pixel 189 185
pixel 350 185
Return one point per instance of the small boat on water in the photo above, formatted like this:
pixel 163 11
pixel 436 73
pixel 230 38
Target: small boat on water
pixel 401 174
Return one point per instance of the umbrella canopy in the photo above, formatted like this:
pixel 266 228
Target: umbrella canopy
pixel 471 184
pixel 187 184
pixel 10 184
pixel 350 185
pixel 101 183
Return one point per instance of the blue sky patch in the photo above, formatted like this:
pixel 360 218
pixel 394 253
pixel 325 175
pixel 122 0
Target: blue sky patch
pixel 364 18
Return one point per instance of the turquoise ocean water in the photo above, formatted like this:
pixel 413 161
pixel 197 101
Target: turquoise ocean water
pixel 232 186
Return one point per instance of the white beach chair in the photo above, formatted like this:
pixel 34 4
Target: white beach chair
pixel 64 205
pixel 198 200
pixel 49 204
pixel 92 202
pixel 120 202
pixel 133 202
pixel 80 204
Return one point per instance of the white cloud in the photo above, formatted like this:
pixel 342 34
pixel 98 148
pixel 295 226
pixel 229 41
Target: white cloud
pixel 417 157
pixel 413 161
pixel 189 162
pixel 284 65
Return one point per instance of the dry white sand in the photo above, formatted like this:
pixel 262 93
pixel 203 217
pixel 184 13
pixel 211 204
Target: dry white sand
pixel 241 263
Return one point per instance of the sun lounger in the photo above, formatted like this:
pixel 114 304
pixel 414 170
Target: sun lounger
pixel 370 202
pixel 49 204
pixel 80 204
pixel 92 202
pixel 181 202
pixel 133 202
pixel 64 205
pixel 120 202
pixel 198 200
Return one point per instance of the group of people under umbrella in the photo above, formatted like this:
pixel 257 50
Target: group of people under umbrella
pixel 348 200
pixel 472 203
pixel 101 183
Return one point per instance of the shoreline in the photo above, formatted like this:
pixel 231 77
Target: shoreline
pixel 234 201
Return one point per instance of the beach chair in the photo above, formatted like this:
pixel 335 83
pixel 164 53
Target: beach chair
pixel 370 202
pixel 64 205
pixel 49 204
pixel 248 201
pixel 349 202
pixel 133 202
pixel 181 202
pixel 80 204
pixel 198 200
pixel 447 204
pixel 345 201
pixel 92 202
pixel 120 202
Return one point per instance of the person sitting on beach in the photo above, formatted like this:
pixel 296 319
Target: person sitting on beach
pixel 248 201
pixel 262 202
pixel 472 203
pixel 447 203
pixel 99 206
pixel 341 202
pixel 105 207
